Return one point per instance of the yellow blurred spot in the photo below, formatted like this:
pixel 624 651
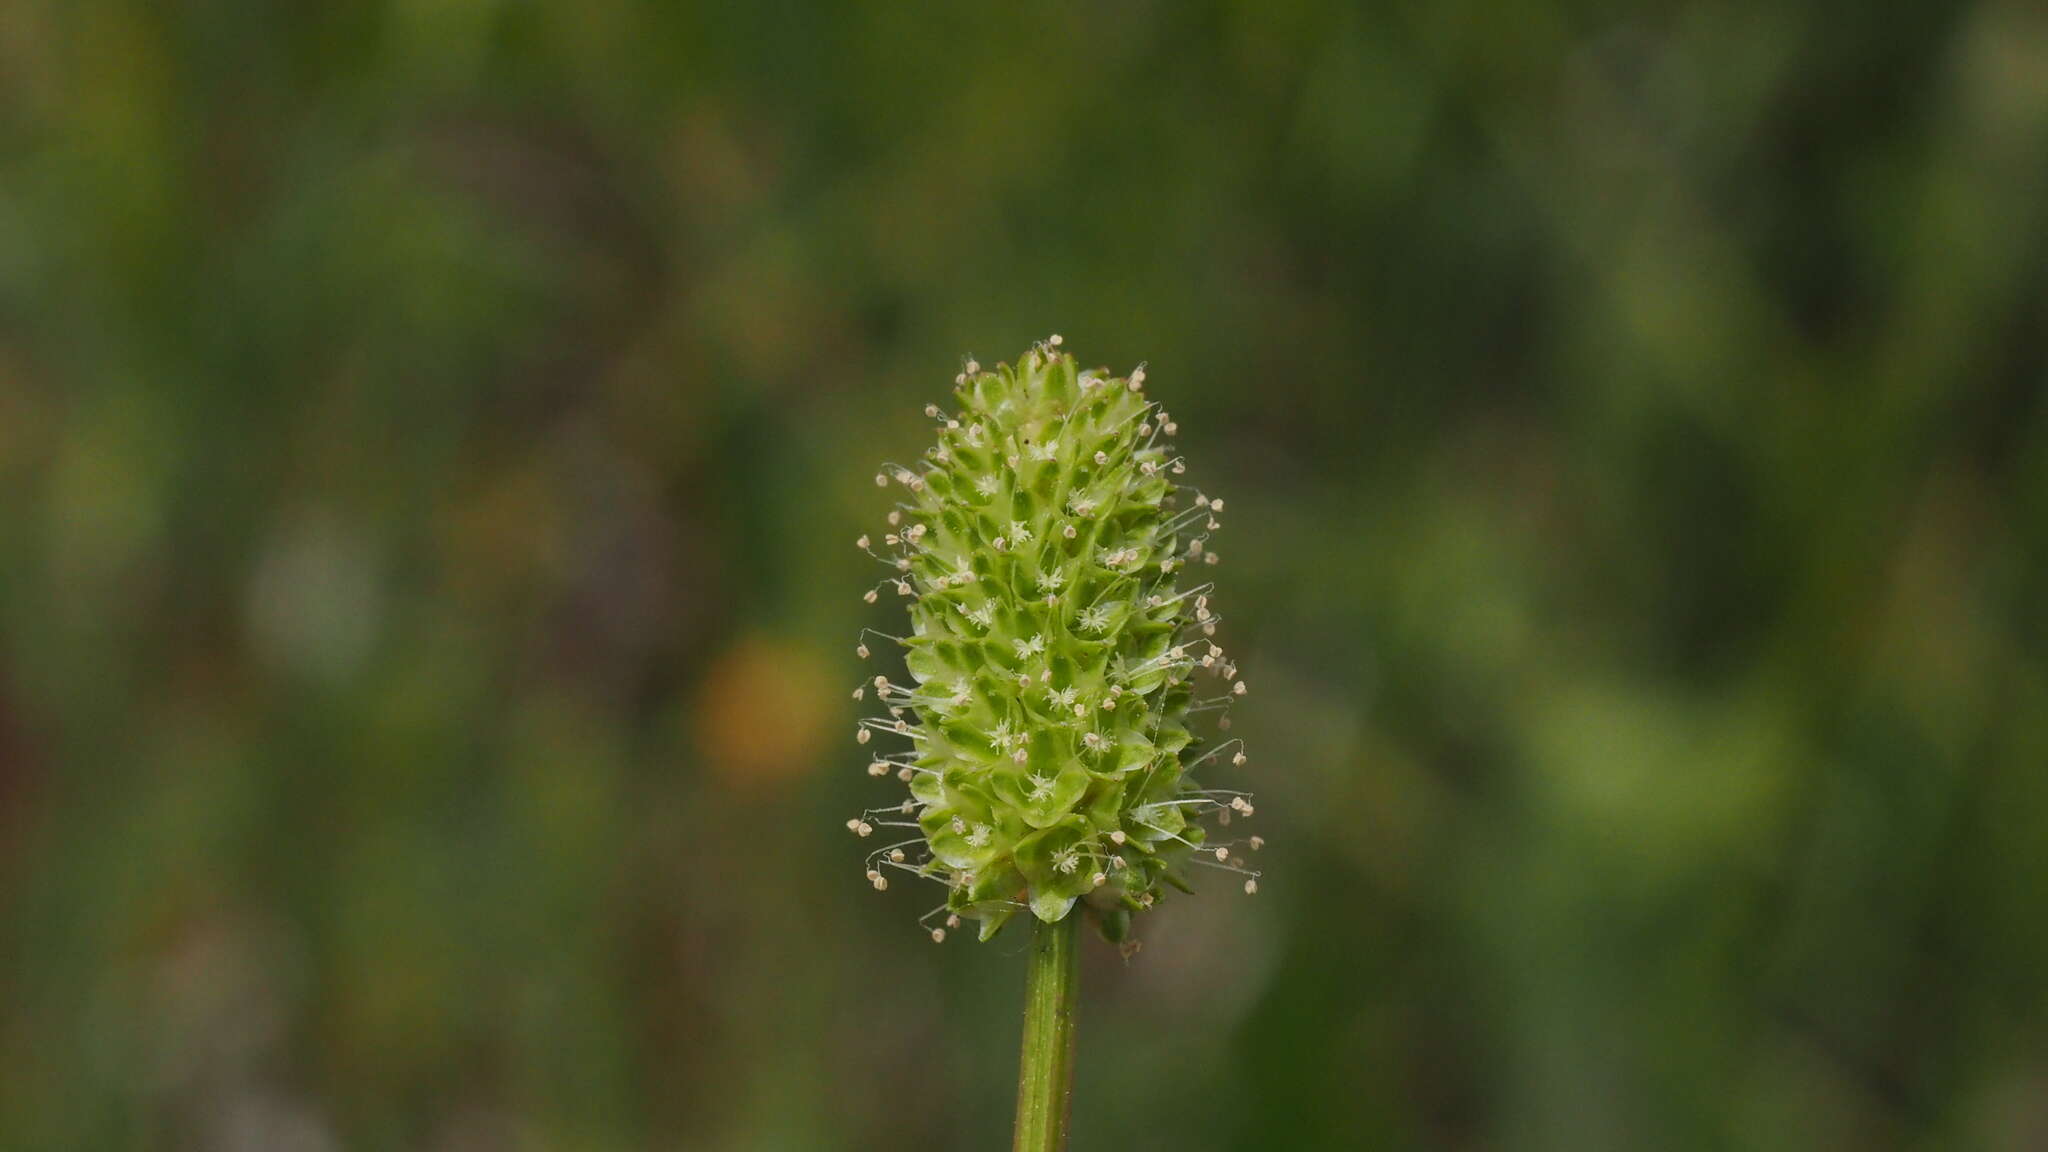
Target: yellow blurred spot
pixel 762 710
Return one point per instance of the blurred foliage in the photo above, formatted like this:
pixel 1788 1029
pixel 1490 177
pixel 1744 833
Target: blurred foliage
pixel 432 434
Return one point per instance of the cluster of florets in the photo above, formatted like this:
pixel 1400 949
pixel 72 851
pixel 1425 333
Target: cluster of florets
pixel 1045 728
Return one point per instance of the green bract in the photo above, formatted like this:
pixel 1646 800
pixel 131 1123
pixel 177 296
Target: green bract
pixel 1052 654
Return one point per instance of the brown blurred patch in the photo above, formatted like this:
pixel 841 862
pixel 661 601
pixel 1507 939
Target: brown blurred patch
pixel 28 419
pixel 761 711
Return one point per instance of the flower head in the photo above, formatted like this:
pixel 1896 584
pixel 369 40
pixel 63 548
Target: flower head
pixel 1052 654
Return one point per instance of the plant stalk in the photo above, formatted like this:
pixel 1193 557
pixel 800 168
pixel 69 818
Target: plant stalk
pixel 1045 1069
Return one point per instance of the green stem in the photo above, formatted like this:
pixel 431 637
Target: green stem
pixel 1045 1070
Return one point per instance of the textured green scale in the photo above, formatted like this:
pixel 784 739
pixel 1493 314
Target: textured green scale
pixel 1051 650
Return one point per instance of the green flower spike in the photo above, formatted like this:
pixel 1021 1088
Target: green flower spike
pixel 1052 656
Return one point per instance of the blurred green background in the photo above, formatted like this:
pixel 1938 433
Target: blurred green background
pixel 432 434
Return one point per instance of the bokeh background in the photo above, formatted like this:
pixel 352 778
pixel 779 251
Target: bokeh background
pixel 432 434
